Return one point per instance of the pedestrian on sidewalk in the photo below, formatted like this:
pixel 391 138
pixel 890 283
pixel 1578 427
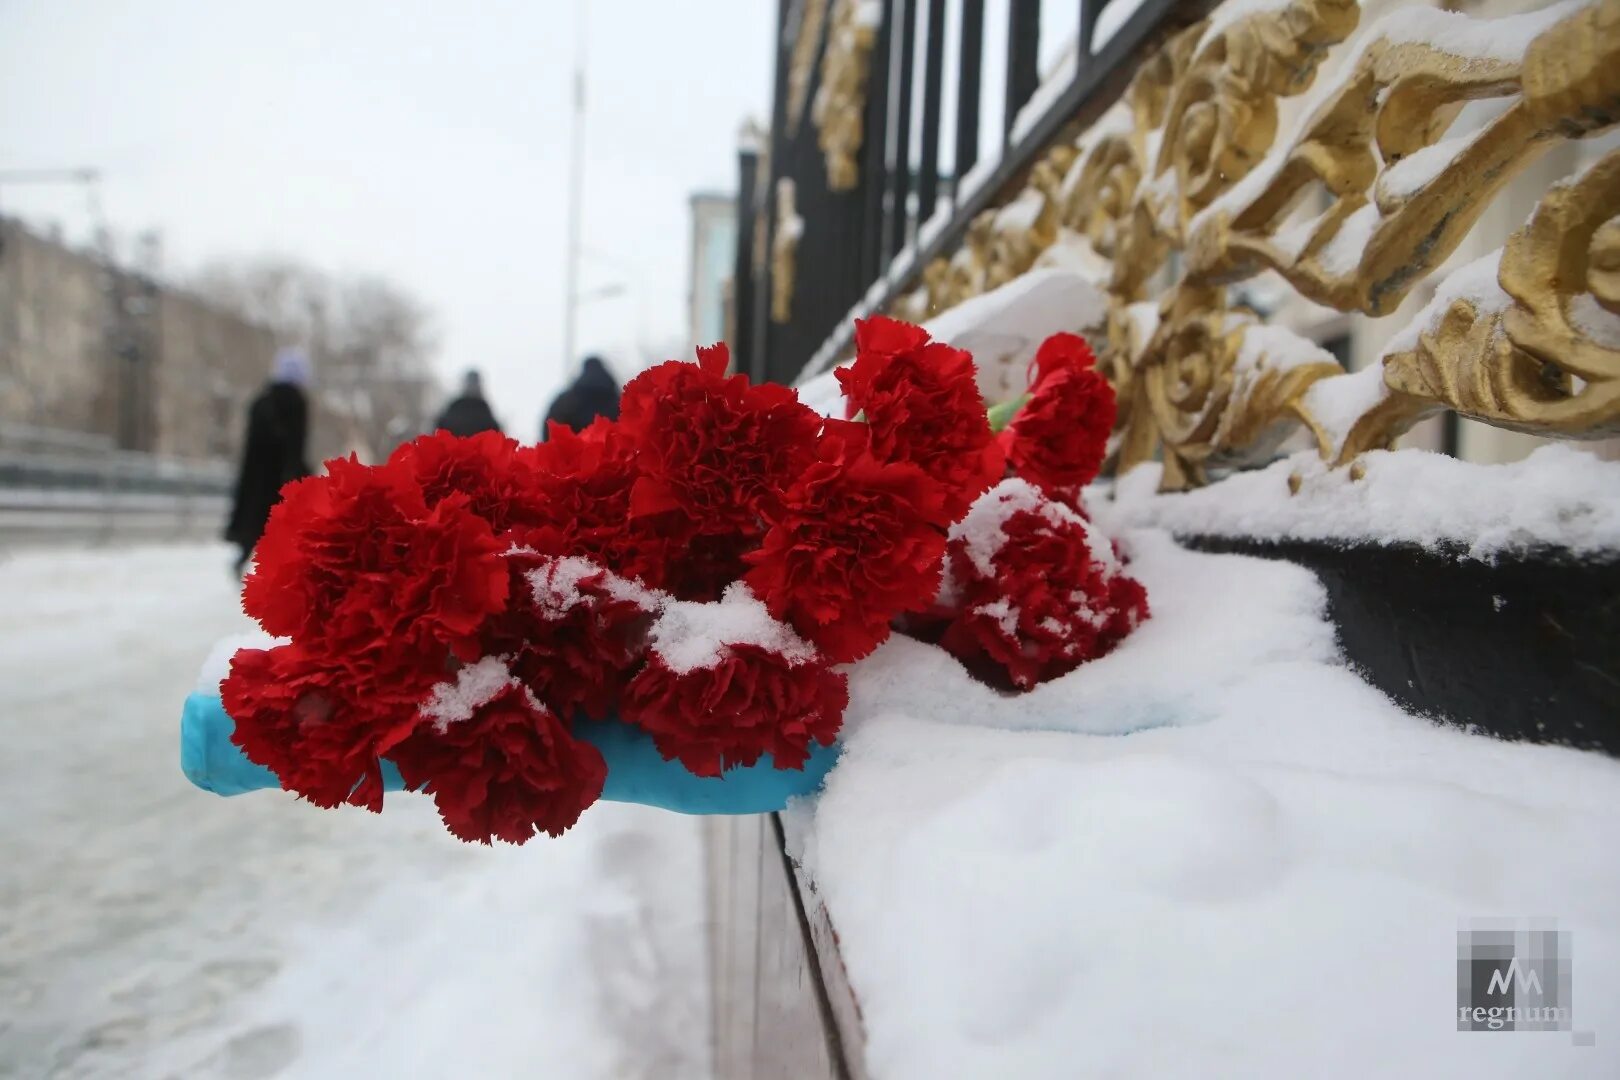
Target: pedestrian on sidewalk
pixel 469 413
pixel 592 394
pixel 273 452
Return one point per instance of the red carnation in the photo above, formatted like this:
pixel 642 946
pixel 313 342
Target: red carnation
pixel 725 683
pixel 1039 593
pixel 855 543
pixel 1059 438
pixel 585 481
pixel 572 631
pixel 1060 352
pixel 488 468
pixel 922 402
pixel 355 565
pixel 499 765
pixel 716 450
pixel 308 720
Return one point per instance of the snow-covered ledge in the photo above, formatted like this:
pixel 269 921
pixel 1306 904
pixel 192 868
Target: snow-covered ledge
pixel 1219 849
pixel 1560 498
pixel 1216 851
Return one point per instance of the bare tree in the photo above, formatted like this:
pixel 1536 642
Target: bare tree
pixel 385 343
pixel 372 345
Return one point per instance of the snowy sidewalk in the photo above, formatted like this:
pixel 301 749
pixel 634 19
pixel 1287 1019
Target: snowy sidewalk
pixel 148 929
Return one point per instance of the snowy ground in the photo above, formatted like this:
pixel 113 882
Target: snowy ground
pixel 1215 852
pixel 148 929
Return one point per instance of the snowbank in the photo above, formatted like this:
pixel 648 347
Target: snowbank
pixel 1266 882
pixel 152 930
pixel 1559 496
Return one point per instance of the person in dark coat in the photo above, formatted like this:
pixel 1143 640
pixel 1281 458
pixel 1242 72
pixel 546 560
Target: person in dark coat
pixel 592 394
pixel 469 413
pixel 273 452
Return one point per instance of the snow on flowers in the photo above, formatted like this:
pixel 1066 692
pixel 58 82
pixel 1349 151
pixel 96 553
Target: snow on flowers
pixel 698 568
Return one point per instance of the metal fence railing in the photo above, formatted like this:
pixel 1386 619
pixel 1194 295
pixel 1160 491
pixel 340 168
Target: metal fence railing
pixel 955 110
pixel 65 484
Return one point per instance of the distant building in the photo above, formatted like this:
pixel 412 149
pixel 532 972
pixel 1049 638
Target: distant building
pixel 98 349
pixel 714 252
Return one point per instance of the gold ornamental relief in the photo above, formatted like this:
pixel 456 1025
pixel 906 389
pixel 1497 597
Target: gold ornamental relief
pixel 1222 116
pixel 1101 192
pixel 1541 352
pixel 1131 328
pixel 1527 338
pixel 1183 378
pixel 1404 190
pixel 785 252
pixel 1563 271
pixel 1274 369
pixel 1213 387
pixel 1534 352
pixel 1571 80
pixel 1101 198
pixel 840 105
pixel 1178 191
pixel 801 65
pixel 1025 227
pixel 1199 112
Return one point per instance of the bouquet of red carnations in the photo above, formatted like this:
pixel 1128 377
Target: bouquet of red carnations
pixel 700 567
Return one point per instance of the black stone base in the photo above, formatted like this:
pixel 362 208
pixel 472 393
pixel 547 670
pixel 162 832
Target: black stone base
pixel 1526 647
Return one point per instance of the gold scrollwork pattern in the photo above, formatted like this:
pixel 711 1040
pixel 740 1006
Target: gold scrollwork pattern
pixel 1183 190
pixel 801 63
pixel 785 251
pixel 1543 355
pixel 841 99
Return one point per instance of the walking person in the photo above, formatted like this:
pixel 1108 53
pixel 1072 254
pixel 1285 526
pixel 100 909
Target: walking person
pixel 592 394
pixel 273 452
pixel 469 413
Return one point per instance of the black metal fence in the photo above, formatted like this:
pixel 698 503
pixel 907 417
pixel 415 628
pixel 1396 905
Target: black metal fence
pixel 961 99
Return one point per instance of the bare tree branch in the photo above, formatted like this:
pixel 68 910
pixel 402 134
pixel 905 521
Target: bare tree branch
pixel 371 343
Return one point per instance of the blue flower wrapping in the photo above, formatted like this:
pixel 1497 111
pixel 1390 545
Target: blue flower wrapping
pixel 637 773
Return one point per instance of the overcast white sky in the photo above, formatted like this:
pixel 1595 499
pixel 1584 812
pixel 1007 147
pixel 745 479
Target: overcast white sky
pixel 422 140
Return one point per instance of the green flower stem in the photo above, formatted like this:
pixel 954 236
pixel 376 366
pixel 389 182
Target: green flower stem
pixel 1002 415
